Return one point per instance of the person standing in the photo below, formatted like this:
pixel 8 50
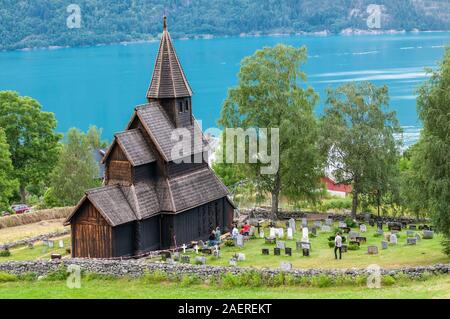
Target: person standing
pixel 338 246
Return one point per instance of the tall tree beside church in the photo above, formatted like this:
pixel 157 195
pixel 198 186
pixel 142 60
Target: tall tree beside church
pixel 31 136
pixel 8 185
pixel 433 105
pixel 270 94
pixel 358 135
pixel 75 172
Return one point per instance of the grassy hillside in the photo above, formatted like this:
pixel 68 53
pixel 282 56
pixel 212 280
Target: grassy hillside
pixel 42 23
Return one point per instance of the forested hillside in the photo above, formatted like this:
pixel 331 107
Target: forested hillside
pixel 42 23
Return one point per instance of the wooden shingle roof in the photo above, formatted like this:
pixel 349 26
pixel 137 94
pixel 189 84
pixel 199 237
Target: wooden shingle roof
pixel 169 80
pixel 143 198
pixel 135 147
pixel 195 189
pixel 161 129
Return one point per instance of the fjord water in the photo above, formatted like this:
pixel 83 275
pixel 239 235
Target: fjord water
pixel 101 85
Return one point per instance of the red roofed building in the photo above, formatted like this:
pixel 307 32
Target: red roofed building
pixel 336 189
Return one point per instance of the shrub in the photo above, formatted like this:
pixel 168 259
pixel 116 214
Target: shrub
pixel 29 276
pixel 189 280
pixel 58 275
pixel 350 222
pixel 388 280
pixel 321 281
pixel 230 280
pixel 378 235
pixel 155 276
pixel 251 278
pixel 5 253
pixel 5 277
pixel 278 280
pixel 331 244
pixel 229 243
pixel 353 247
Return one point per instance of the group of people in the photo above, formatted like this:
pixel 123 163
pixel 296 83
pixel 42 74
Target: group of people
pixel 245 230
pixel 214 237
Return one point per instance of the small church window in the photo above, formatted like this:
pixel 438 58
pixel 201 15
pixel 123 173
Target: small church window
pixel 180 107
pixel 186 106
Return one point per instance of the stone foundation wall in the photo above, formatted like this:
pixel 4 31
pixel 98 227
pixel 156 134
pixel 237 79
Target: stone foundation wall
pixel 136 268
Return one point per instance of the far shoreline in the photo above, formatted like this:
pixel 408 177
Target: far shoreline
pixel 324 33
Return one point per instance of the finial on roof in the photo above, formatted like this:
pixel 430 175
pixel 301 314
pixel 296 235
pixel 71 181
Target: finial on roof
pixel 165 22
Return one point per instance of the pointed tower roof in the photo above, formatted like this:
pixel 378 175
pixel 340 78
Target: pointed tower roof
pixel 169 80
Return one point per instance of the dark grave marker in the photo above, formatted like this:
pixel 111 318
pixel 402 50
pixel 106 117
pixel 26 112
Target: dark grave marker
pixel 354 242
pixel 56 256
pixel 271 240
pixel 185 259
pixel 277 251
pixel 265 251
pixel 371 223
pixel 305 252
pixel 411 240
pixel 412 227
pixel 361 240
pixel 288 251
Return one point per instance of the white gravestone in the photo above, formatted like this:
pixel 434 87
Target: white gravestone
pixel 261 234
pixel 305 235
pixel 272 232
pixel 196 249
pixel 292 224
pixel 281 244
pixel 393 239
pixel 328 222
pixel 290 234
pixel 304 222
pixel 61 244
pixel 241 257
pixel 325 228
pixel 184 248
pixel 286 266
pixel 50 244
pixel 362 228
pixel 280 232
pixel 342 224
pixel 233 262
pixel 240 240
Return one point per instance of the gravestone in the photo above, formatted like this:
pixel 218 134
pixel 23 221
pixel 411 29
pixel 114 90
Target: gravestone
pixel 240 257
pixel 305 234
pixel 318 224
pixel 410 233
pixel 286 266
pixel 261 234
pixel 380 232
pixel 281 244
pixel 306 245
pixel 342 225
pixel 196 248
pixel 232 262
pixel 314 231
pixel 61 243
pixel 384 244
pixel 367 217
pixel 325 229
pixel 328 222
pixel 418 237
pixel 346 229
pixel 272 232
pixel 361 240
pixel 270 240
pixel 185 259
pixel 288 251
pixel 292 225
pixel 411 241
pixel 304 222
pixel 428 234
pixel 305 252
pixel 216 253
pixel 362 228
pixel 290 234
pixel 265 251
pixel 176 256
pixel 55 256
pixel 51 244
pixel 380 225
pixel 371 223
pixel 184 248
pixel 353 234
pixel 372 250
pixel 395 226
pixel 412 227
pixel 277 251
pixel 200 260
pixel 280 232
pixel 393 239
pixel 240 240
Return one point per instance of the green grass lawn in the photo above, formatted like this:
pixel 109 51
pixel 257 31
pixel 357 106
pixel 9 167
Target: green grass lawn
pixel 435 287
pixel 38 252
pixel 426 252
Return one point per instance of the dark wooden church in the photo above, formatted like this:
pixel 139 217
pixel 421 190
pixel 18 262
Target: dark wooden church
pixel 150 201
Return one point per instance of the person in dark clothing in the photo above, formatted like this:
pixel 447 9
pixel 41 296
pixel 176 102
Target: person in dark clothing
pixel 338 246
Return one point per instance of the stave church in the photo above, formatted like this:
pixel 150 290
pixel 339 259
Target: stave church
pixel 153 198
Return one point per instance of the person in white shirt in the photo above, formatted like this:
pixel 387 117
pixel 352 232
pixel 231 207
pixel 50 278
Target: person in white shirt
pixel 338 246
pixel 234 232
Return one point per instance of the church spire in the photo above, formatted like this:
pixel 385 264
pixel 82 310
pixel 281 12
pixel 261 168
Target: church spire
pixel 169 80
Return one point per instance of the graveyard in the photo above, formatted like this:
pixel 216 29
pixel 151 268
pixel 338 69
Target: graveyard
pixel 411 249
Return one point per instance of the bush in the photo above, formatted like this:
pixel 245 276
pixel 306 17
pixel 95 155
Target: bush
pixel 5 253
pixel 388 280
pixel 353 247
pixel 350 222
pixel 321 281
pixel 29 276
pixel 446 245
pixel 60 274
pixel 154 277
pixel 230 280
pixel 229 243
pixel 378 235
pixel 189 280
pixel 5 277
pixel 251 278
